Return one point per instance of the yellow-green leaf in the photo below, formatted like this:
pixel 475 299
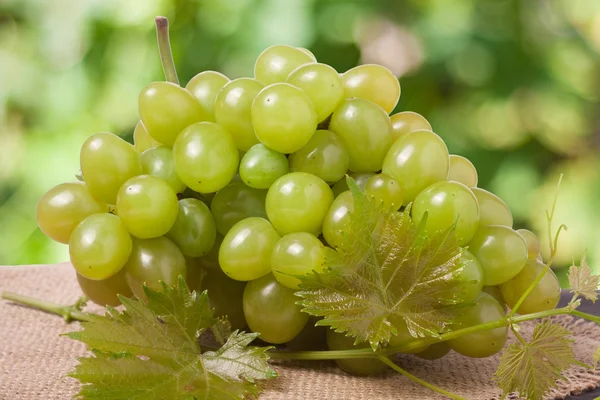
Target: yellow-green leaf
pixel 582 281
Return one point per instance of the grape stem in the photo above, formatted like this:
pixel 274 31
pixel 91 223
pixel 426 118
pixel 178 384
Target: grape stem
pixel 68 313
pixel 164 48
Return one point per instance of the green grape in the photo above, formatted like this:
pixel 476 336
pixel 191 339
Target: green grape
pixel 492 210
pixel 495 292
pixel 403 335
pixel 283 117
pixel 236 202
pixel 373 82
pixel 417 160
pixel 107 161
pixel 261 166
pixel 167 109
pixel 226 297
pixel 99 246
pixel 407 121
pixel 296 254
pixel 194 274
pixel 469 280
pixel 194 230
pixel 298 202
pixel 324 155
pixel 153 261
pixel 435 351
pixel 337 220
pixel 323 86
pixel 210 261
pixel 544 296
pixel 206 158
pixel 158 162
pixel 270 309
pixel 105 291
pixel 308 52
pixel 360 366
pixel 147 206
pixel 233 110
pixel 366 131
pixel 484 343
pixel 311 337
pixel 275 63
pixel 385 190
pixel 501 251
pixel 63 207
pixel 245 253
pixel 360 179
pixel 533 243
pixel 205 86
pixel 142 140
pixel 462 170
pixel 448 203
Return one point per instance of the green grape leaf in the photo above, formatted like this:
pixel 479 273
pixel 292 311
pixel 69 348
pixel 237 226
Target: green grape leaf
pixel 386 269
pixel 582 281
pixel 534 368
pixel 151 351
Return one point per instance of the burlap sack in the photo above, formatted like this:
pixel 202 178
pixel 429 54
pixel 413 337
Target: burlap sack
pixel 34 359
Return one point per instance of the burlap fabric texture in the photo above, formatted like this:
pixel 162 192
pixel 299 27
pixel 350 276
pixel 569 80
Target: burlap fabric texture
pixel 34 359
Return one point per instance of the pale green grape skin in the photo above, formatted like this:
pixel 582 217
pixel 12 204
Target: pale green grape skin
pixel 462 170
pixel 283 117
pixel 495 292
pixel 104 292
pixel 384 190
pixel 205 86
pixel 147 206
pixel 233 110
pixel 501 251
pixel 226 297
pixel 275 63
pixel 470 279
pixel 323 86
pixel 194 230
pixel 142 140
pixel 403 335
pixel 366 131
pixel 417 160
pixel 337 220
pixel 298 202
pixel 324 155
pixel 296 254
pixel 533 243
pixel 360 179
pixel 158 162
pixel 434 352
pixel 63 207
pixel 484 343
pixel 261 166
pixel 99 246
pixel 107 161
pixel 206 158
pixel 361 366
pixel 492 210
pixel 167 109
pixel 270 309
pixel 236 202
pixel 373 82
pixel 447 203
pixel 245 253
pixel 308 52
pixel 407 121
pixel 544 296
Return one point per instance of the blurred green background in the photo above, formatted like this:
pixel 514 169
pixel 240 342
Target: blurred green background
pixel 513 85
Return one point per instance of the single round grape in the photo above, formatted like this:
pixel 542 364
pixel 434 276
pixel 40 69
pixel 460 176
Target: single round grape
pixel 206 158
pixel 384 190
pixel 435 351
pixel 167 109
pixel 484 343
pixel 236 202
pixel 324 155
pixel 205 86
pixel 100 246
pixel 403 335
pixel 469 280
pixel 261 166
pixel 296 254
pixel 275 63
pixel 298 202
pixel 360 366
pixel 142 140
pixel 544 296
pixel 337 220
pixel 63 207
pixel 417 160
pixel 147 206
pixel 501 251
pixel 462 170
pixel 283 117
pixel 407 121
pixel 194 230
pixel 366 131
pixel 373 82
pixel 226 297
pixel 107 161
pixel 245 253
pixel 448 203
pixel 158 162
pixel 233 110
pixel 360 179
pixel 104 292
pixel 270 309
pixel 495 292
pixel 323 86
pixel 533 243
pixel 308 52
pixel 492 210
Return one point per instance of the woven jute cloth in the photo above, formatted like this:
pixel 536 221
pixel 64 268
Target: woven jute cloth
pixel 34 359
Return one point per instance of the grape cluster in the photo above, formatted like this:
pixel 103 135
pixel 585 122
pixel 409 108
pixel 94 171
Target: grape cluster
pixel 240 186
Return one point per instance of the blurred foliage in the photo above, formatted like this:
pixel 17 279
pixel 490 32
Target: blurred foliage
pixel 513 85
